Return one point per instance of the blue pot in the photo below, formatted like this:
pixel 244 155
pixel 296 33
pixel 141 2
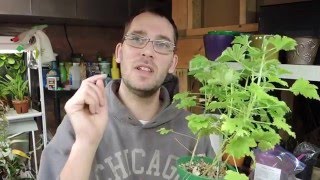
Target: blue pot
pixel 215 44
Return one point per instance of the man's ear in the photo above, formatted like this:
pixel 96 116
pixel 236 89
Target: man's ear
pixel 174 63
pixel 118 52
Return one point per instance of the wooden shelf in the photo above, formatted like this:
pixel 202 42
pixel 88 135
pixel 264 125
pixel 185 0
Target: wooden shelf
pixel 307 72
pixel 240 28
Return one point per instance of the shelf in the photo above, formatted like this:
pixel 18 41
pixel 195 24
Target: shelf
pixel 240 28
pixel 21 126
pixel 20 123
pixel 307 72
pixel 7 46
pixel 13 116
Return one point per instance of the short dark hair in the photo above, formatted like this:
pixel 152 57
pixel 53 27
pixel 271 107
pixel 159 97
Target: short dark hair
pixel 156 11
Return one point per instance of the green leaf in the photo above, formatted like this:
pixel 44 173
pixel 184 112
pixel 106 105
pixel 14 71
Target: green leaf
pixel 303 87
pixel 234 53
pixel 235 125
pixel 216 105
pixel 198 62
pixel 200 123
pixel 164 131
pixel 240 146
pixel 3 56
pixel 276 79
pixel 280 123
pixel 266 140
pixel 243 40
pixel 36 53
pixel 11 60
pixel 184 101
pixel 282 43
pixel 232 175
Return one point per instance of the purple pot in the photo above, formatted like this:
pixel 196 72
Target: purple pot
pixel 215 44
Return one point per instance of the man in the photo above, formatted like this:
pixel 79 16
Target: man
pixel 111 133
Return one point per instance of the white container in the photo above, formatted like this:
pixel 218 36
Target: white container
pixel 74 76
pixel 105 68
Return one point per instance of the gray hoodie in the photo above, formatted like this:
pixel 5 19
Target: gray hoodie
pixel 128 149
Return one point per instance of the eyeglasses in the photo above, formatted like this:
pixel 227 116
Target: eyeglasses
pixel 160 46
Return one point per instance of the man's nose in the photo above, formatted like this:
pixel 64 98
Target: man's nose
pixel 148 50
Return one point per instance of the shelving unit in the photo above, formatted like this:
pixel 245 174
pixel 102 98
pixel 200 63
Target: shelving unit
pixel 21 123
pixel 7 46
pixel 253 27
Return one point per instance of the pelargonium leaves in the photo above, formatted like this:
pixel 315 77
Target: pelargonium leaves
pixel 240 146
pixel 232 175
pixel 303 87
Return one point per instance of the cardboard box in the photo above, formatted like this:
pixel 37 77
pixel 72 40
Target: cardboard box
pixel 227 12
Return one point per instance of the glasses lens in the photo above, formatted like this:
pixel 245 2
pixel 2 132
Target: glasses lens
pixel 160 46
pixel 163 47
pixel 136 41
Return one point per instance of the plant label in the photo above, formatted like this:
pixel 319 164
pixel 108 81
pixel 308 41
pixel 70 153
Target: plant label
pixel 264 172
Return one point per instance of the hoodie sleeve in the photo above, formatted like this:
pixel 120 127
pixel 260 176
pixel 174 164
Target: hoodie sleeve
pixel 56 153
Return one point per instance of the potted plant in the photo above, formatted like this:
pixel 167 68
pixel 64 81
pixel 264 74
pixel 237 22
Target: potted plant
pixel 18 88
pixel 12 64
pixel 4 92
pixel 248 115
pixel 12 161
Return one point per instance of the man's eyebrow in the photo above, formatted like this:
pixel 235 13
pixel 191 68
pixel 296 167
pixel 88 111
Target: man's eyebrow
pixel 143 33
pixel 162 37
pixel 140 32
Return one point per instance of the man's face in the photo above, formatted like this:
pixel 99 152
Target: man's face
pixel 143 69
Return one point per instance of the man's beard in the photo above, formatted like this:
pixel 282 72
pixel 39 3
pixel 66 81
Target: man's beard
pixel 140 92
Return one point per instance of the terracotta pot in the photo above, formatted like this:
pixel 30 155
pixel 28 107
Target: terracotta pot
pixel 21 106
pixel 239 162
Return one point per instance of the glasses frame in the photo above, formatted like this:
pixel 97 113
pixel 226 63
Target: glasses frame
pixel 130 37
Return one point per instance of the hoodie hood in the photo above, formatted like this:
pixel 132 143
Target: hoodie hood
pixel 119 111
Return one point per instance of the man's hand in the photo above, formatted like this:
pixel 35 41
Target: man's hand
pixel 88 111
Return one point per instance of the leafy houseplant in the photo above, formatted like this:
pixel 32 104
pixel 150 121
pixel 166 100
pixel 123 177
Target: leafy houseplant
pixel 12 161
pixel 12 64
pixel 4 92
pixel 18 88
pixel 249 117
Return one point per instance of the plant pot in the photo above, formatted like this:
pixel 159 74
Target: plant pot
pixel 21 106
pixel 257 41
pixel 239 161
pixel 305 52
pixel 185 175
pixel 215 44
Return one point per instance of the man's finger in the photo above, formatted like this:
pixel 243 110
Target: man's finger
pixel 95 78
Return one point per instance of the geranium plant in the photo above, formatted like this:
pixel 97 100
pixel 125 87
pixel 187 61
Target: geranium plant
pixel 248 115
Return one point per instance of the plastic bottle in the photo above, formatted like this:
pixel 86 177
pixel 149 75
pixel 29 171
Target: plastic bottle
pixel 63 73
pixel 105 68
pixel 75 76
pixel 115 71
pixel 53 77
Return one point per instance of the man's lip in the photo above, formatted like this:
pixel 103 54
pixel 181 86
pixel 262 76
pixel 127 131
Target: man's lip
pixel 144 66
